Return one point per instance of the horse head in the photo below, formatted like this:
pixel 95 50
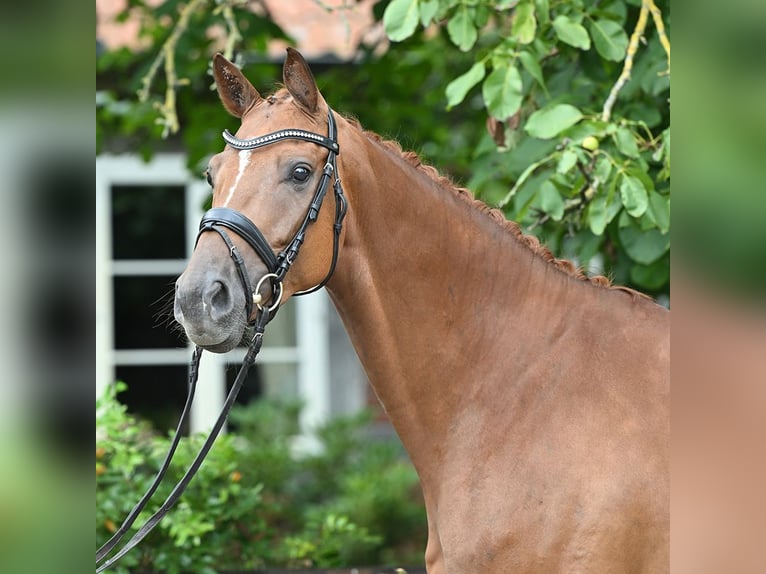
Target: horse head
pixel 268 186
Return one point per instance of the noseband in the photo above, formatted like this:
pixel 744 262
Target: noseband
pixel 219 219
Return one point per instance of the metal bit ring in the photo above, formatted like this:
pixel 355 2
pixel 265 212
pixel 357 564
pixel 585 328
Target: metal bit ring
pixel 257 298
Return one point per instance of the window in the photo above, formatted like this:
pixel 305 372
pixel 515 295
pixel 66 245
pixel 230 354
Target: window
pixel 146 223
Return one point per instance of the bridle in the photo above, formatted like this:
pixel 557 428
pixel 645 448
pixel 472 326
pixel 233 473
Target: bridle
pixel 219 219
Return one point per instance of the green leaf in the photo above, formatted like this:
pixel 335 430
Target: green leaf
pixel 461 29
pixel 543 11
pixel 550 121
pixel 603 169
pixel 532 66
pixel 481 16
pixel 641 175
pixel 528 194
pixel 572 33
pixel 528 171
pixel 610 39
pixel 502 91
pixel 634 196
pixel 616 11
pixel 602 210
pixel 644 247
pixel 652 76
pixel 401 19
pixel 428 9
pixel 597 219
pixel 651 276
pixel 659 210
pixel 567 161
pixel 524 23
pixel 664 147
pixel 626 142
pixel 458 88
pixel 613 201
pixel 551 201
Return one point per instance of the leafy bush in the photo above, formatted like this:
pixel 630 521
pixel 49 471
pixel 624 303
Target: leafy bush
pixel 254 503
pixel 330 540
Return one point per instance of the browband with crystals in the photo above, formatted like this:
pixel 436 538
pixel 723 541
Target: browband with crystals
pixel 267 139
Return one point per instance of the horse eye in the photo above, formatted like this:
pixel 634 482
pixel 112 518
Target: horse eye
pixel 209 178
pixel 301 174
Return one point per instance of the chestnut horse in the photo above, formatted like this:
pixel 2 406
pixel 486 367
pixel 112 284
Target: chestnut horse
pixel 532 400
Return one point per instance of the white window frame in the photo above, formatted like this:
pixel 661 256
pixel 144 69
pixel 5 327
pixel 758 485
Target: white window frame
pixel 310 354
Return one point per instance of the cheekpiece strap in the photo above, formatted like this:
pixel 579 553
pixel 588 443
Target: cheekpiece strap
pixel 274 137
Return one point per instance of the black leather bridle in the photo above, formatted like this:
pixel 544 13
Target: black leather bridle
pixel 219 219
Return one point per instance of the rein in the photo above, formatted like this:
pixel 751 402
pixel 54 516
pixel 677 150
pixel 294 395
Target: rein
pixel 219 219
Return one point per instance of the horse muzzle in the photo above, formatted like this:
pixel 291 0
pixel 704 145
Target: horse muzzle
pixel 211 308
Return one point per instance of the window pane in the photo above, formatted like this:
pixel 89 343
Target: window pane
pixel 143 313
pixel 281 330
pixel 265 379
pixel 252 388
pixel 155 393
pixel 280 380
pixel 148 222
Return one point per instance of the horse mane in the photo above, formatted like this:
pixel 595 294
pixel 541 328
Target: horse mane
pixel 530 241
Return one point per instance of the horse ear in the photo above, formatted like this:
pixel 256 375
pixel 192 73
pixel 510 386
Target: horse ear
pixel 299 81
pixel 237 93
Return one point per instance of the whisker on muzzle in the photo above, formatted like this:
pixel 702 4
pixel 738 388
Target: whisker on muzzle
pixel 164 317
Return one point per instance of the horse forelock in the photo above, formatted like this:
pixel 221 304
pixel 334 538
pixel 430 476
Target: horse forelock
pixel 529 241
pixel 281 99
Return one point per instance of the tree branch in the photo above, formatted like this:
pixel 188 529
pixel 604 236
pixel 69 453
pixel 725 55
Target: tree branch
pixel 647 7
pixel 635 37
pixel 578 203
pixel 660 25
pixel 169 117
pixel 233 36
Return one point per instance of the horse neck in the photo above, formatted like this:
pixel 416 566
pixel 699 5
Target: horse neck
pixel 425 285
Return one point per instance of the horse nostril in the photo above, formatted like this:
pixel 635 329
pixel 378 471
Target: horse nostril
pixel 218 300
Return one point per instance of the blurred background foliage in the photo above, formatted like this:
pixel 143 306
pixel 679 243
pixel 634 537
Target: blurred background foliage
pixel 721 235
pixel 557 112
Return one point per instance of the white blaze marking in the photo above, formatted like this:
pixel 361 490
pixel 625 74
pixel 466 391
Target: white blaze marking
pixel 244 160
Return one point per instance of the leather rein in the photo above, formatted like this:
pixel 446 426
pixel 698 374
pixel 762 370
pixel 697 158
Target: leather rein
pixel 219 219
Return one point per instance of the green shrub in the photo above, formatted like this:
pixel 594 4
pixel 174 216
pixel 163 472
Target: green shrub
pixel 255 504
pixel 329 541
pixel 220 507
